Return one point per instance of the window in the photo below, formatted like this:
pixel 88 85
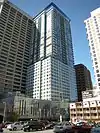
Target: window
pixel 98 75
pixel 97 71
pixel 95 59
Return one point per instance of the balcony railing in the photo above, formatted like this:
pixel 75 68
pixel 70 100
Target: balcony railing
pixel 86 117
pixel 86 111
pixel 98 111
pixel 79 111
pixel 94 117
pixel 79 106
pixel 93 111
pixel 73 112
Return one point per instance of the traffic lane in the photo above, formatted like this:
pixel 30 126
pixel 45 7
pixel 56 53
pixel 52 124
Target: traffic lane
pixel 44 131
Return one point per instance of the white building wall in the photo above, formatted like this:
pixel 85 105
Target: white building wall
pixel 36 80
pixel 93 32
pixel 50 80
pixel 46 79
pixel 33 80
pixel 60 81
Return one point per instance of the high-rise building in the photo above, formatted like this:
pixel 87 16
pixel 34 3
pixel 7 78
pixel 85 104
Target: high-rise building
pixel 83 80
pixel 15 40
pixel 51 73
pixel 93 35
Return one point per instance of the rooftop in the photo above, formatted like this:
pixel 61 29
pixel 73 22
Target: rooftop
pixel 53 5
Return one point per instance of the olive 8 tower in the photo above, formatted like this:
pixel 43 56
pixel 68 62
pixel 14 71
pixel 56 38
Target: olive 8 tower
pixel 51 73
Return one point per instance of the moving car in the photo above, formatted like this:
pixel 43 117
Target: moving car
pixel 15 126
pixel 34 125
pixel 62 127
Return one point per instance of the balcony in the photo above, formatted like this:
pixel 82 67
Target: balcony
pixel 86 117
pixel 80 117
pixel 73 112
pixel 93 111
pixel 79 111
pixel 79 106
pixel 98 111
pixel 94 117
pixel 86 111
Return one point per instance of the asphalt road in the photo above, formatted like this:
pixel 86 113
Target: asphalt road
pixel 44 131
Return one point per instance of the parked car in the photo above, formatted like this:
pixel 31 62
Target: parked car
pixel 2 125
pixel 15 126
pixel 95 130
pixel 46 122
pixel 33 125
pixel 62 127
pixel 1 130
pixel 82 127
pixel 80 124
pixel 23 123
pixel 6 124
pixel 50 126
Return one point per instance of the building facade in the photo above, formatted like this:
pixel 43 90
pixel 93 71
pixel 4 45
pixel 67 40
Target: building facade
pixel 29 108
pixel 86 110
pixel 93 35
pixel 91 95
pixel 83 80
pixel 15 40
pixel 51 73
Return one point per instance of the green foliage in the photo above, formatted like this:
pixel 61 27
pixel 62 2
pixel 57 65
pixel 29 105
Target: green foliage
pixel 89 121
pixel 14 116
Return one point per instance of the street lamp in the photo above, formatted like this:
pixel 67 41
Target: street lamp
pixel 4 113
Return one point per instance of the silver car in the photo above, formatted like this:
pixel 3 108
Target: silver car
pixel 62 127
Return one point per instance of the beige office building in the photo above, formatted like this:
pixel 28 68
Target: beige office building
pixel 15 40
pixel 86 110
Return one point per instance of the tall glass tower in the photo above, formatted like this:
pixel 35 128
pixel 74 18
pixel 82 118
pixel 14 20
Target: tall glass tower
pixel 51 73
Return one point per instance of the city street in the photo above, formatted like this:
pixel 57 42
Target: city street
pixel 45 131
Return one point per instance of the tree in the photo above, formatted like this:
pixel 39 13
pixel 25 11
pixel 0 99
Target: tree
pixel 14 116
